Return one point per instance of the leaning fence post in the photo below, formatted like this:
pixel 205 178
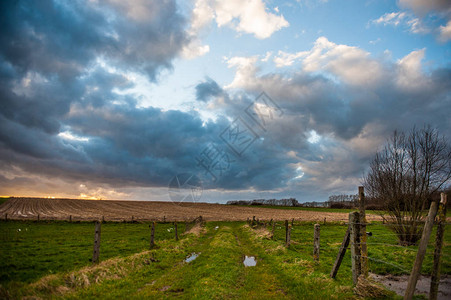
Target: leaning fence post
pixel 288 241
pixel 176 233
pixel 413 278
pixel 435 276
pixel 152 235
pixel 341 253
pixel 96 252
pixel 363 238
pixel 354 220
pixel 316 242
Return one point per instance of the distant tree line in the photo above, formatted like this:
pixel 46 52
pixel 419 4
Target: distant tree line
pixel 342 201
pixel 271 202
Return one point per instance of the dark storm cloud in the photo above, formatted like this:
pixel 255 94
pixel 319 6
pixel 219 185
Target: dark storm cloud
pixel 53 81
pixel 62 117
pixel 207 89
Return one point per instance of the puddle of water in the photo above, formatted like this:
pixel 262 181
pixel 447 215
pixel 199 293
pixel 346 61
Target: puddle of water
pixel 249 261
pixel 398 284
pixel 192 257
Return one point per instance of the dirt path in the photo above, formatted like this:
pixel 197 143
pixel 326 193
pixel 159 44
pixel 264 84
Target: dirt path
pixel 61 209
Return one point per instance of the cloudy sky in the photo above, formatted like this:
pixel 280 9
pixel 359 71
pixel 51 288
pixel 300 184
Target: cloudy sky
pixel 256 98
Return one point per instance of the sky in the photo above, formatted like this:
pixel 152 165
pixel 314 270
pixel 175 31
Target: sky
pixel 209 100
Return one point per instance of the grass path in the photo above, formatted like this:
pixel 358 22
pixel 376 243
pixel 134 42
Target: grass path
pixel 217 273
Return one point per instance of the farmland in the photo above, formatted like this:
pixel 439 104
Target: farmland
pixel 84 210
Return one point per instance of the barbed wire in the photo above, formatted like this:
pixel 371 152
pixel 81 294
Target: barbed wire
pixel 385 262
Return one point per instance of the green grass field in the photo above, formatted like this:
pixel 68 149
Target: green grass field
pixel 128 269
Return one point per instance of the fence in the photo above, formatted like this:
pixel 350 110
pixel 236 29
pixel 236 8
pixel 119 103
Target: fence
pixel 363 238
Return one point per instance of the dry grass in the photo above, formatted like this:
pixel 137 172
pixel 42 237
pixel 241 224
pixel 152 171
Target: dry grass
pixel 197 230
pixel 369 289
pixel 61 284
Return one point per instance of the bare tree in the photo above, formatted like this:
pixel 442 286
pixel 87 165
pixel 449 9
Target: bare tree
pixel 404 176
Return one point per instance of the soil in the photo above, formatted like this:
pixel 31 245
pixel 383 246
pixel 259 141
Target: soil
pixel 111 210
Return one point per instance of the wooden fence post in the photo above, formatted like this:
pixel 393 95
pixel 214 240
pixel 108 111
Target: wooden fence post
pixel 413 278
pixel 152 235
pixel 363 237
pixel 6 217
pixel 316 242
pixel 286 231
pixel 354 220
pixel 435 276
pixel 176 233
pixel 341 253
pixel 70 218
pixel 96 252
pixel 103 219
pixel 288 241
pixel 164 219
pixel 39 217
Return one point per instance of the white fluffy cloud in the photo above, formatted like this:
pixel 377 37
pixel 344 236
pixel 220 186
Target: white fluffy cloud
pixel 194 49
pixel 249 16
pixel 445 32
pixel 410 75
pixel 414 25
pixel 346 65
pixel 245 69
pixel 416 17
pixel 394 18
pixel 350 64
pixel 284 59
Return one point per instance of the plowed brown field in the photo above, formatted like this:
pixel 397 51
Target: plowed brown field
pixel 84 210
